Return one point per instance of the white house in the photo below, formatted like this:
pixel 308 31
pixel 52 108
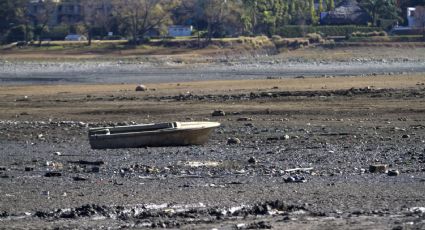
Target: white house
pixel 180 31
pixel 411 17
pixel 411 23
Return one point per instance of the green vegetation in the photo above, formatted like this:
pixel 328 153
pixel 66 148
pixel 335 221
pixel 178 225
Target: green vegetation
pixel 380 38
pixel 137 19
pixel 293 31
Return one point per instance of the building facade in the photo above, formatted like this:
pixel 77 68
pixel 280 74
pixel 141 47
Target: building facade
pixel 61 11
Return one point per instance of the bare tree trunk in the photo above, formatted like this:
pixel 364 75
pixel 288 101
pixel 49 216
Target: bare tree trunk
pixel 90 36
pixel 423 32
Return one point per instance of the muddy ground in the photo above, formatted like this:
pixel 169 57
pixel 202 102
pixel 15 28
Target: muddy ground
pixel 332 128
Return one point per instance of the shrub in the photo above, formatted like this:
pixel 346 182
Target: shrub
pixel 276 38
pixel 58 32
pixel 383 33
pixel 113 37
pixel 370 34
pixel 19 33
pixel 314 37
pixel 292 31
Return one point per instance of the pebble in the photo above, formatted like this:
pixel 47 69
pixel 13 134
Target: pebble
pixel 45 193
pixel 29 169
pixel 141 88
pixel 218 113
pixel 53 174
pixel 393 172
pixel 79 178
pixel 244 119
pixel 295 179
pixel 378 168
pixel 252 160
pixel 233 141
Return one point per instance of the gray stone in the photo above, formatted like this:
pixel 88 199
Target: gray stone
pixel 244 119
pixel 218 113
pixel 141 88
pixel 233 141
pixel 252 160
pixel 286 137
pixel 378 168
pixel 393 173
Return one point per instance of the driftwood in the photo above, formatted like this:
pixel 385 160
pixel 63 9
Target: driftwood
pixel 299 170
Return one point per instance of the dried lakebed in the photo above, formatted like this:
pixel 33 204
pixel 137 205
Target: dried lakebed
pixel 291 168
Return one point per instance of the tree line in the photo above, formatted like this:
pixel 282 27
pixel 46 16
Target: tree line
pixel 135 19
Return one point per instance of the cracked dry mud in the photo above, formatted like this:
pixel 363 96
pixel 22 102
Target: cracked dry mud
pixel 331 135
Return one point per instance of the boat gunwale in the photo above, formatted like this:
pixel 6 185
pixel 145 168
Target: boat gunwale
pixel 211 125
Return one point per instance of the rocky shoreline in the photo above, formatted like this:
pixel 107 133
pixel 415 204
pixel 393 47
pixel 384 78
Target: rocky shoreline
pixel 106 72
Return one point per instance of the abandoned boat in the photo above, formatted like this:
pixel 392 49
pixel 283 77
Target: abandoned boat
pixel 151 135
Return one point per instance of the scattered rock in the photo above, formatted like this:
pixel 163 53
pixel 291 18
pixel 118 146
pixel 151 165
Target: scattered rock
pixel 259 225
pixel 53 174
pixel 295 179
pixel 25 98
pixel 273 138
pixel 241 226
pixel 252 160
pixel 393 172
pixel 141 88
pixel 233 141
pixel 4 176
pixel 244 119
pixel 45 193
pixel 84 162
pixel 55 165
pixel 218 113
pixel 417 210
pixel 378 168
pixel 79 178
pixel 29 169
pixel 4 214
pixel 286 137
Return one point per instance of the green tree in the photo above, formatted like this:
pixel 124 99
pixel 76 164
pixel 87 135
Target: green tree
pixel 313 14
pixel 249 16
pixel 331 5
pixel 320 6
pixel 222 17
pixel 264 16
pixel 12 14
pixel 378 9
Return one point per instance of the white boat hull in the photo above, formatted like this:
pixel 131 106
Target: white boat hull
pixel 187 133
